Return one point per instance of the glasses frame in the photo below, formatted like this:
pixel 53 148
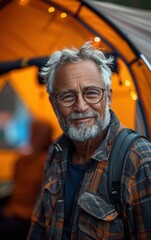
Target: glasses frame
pixel 77 92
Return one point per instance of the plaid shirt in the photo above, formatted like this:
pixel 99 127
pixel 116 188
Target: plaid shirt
pixel 94 216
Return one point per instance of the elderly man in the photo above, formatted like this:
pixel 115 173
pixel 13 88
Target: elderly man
pixel 74 202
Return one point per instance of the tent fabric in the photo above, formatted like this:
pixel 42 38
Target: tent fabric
pixel 40 62
pixel 31 31
pixel 135 23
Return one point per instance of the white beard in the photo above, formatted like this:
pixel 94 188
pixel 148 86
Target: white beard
pixel 84 132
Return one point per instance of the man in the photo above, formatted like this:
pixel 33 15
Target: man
pixel 74 202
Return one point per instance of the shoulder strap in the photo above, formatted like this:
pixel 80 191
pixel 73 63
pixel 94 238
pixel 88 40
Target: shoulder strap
pixel 120 148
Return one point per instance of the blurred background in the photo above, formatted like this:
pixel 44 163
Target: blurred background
pixel 32 30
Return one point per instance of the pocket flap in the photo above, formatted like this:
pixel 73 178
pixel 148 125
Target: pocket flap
pixel 52 186
pixel 97 207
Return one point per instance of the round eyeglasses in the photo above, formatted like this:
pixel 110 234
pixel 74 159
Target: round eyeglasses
pixel 92 95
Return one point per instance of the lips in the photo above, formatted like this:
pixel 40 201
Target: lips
pixel 82 119
pixel 81 116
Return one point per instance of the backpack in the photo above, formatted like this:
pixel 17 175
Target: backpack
pixel 120 150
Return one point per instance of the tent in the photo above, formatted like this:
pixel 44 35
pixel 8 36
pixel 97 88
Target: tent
pixel 31 30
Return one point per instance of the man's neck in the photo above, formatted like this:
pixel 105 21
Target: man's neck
pixel 84 150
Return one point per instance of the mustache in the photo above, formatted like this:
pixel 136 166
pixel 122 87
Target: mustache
pixel 76 116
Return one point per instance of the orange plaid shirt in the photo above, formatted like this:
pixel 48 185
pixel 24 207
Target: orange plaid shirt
pixel 94 215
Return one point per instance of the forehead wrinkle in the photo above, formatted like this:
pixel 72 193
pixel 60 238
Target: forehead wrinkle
pixel 72 70
pixel 81 76
pixel 76 75
pixel 82 90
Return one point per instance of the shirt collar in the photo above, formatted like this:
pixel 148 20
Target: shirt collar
pixel 102 152
pixel 65 145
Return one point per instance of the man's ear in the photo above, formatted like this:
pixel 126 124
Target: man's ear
pixel 109 95
pixel 50 100
pixel 52 103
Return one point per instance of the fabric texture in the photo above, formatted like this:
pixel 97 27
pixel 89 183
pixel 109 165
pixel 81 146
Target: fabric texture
pixel 94 215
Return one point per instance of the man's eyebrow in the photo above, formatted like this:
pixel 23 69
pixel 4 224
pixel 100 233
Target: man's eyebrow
pixel 74 90
pixel 91 86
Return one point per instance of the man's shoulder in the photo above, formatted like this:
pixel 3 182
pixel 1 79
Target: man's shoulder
pixel 142 147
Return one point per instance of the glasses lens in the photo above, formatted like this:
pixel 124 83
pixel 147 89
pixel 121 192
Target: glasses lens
pixel 93 95
pixel 90 95
pixel 66 99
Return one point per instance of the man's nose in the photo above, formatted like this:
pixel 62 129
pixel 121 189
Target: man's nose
pixel 80 104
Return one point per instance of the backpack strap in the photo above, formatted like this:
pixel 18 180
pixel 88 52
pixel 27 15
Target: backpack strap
pixel 120 149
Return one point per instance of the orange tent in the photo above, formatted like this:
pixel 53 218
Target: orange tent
pixel 32 29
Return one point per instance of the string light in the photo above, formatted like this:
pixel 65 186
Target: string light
pixel 127 83
pixel 23 2
pixel 63 15
pixel 133 95
pixel 51 9
pixel 97 39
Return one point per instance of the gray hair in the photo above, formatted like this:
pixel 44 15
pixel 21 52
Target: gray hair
pixel 85 53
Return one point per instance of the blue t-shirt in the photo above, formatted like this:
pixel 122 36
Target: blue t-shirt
pixel 73 179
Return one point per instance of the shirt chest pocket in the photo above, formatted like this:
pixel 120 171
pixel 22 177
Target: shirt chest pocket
pixel 51 193
pixel 98 219
pixel 53 208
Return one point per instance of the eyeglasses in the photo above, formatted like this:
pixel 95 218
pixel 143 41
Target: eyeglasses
pixel 92 95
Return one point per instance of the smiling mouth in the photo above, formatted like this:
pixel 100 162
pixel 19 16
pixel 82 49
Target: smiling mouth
pixel 88 119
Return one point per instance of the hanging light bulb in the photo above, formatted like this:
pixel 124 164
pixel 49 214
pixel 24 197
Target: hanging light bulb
pixel 23 2
pixel 63 15
pixel 51 9
pixel 133 95
pixel 97 39
pixel 127 83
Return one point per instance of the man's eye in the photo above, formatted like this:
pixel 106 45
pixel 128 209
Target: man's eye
pixel 92 93
pixel 66 97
